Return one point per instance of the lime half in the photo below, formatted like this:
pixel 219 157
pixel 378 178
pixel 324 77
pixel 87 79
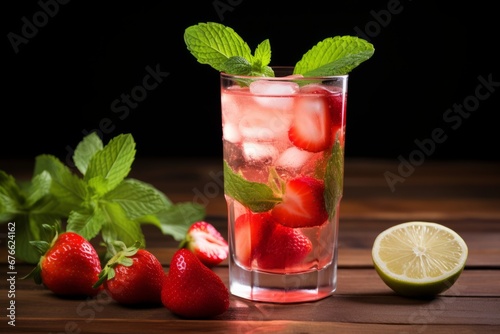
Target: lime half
pixel 419 259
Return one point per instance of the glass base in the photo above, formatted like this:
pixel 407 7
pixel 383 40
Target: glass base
pixel 282 288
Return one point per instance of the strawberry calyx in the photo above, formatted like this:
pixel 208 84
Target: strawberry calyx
pixel 49 235
pixel 121 255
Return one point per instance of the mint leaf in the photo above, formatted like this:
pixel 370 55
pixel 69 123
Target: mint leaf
pixel 29 205
pixel 213 44
pixel 237 65
pixel 262 56
pixel 85 150
pixel 119 227
pixel 258 197
pixel 334 179
pixel 26 230
pixel 10 197
pixel 265 71
pixel 87 222
pixel 136 198
pixel 40 204
pixel 113 162
pixel 67 187
pixel 176 219
pixel 38 188
pixel 261 59
pixel 222 48
pixel 334 56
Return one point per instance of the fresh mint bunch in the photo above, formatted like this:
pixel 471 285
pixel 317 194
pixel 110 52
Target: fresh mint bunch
pixel 99 200
pixel 222 48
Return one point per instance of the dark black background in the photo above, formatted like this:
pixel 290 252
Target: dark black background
pixel 61 83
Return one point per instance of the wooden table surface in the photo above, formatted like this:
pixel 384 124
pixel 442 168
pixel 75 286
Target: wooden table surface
pixel 464 196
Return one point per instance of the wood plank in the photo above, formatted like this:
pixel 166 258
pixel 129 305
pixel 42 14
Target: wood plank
pixel 31 306
pixel 351 281
pixel 125 326
pixel 356 238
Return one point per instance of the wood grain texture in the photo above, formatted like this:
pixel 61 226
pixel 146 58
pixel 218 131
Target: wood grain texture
pixel 464 196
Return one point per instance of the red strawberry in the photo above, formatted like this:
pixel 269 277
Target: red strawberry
pixel 311 127
pixel 273 246
pixel 284 248
pixel 338 108
pixel 133 276
pixel 191 289
pixel 303 203
pixel 69 266
pixel 206 243
pixel 250 230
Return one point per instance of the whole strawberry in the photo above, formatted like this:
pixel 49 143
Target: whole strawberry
pixel 133 276
pixel 261 241
pixel 206 242
pixel 69 265
pixel 191 289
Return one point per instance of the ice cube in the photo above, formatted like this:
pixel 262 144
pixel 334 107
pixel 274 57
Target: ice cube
pixel 274 88
pixel 274 94
pixel 231 133
pixel 293 158
pixel 231 108
pixel 260 152
pixel 265 125
pixel 254 127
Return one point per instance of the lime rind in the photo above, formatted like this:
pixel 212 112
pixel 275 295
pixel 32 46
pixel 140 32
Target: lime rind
pixel 419 259
pixel 421 289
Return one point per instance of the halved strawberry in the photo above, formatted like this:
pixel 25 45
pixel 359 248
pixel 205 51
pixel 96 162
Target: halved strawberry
pixel 250 230
pixel 311 127
pixel 206 242
pixel 303 203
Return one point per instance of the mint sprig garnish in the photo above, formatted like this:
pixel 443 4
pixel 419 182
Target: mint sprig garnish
pixel 222 48
pixel 100 200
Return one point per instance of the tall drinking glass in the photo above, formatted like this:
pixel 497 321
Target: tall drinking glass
pixel 283 150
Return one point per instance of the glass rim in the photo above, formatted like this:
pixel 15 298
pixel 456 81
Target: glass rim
pixel 283 78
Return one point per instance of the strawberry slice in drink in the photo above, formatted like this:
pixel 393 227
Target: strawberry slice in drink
pixel 317 118
pixel 250 229
pixel 303 203
pixel 311 127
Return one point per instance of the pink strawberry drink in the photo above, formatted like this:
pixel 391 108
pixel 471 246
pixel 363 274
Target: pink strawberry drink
pixel 283 143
